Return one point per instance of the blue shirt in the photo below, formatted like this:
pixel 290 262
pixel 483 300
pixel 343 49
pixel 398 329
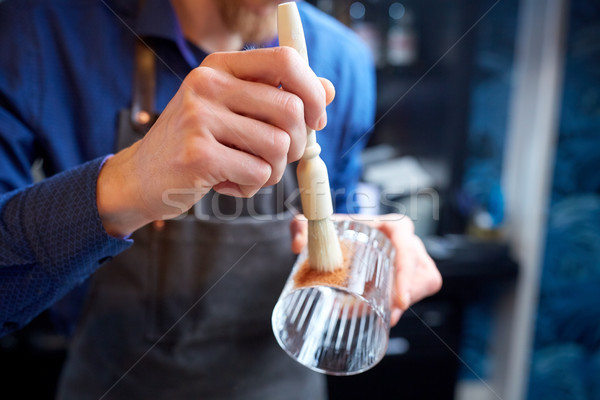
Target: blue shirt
pixel 65 73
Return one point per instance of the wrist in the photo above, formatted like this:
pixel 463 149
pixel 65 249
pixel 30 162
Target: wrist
pixel 117 197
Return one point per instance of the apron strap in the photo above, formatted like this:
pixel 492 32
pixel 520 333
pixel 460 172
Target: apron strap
pixel 144 87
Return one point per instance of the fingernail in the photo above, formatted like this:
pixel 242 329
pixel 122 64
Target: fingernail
pixel 395 317
pixel 322 122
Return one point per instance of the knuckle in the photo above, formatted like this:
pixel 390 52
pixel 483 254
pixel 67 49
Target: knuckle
pixel 281 144
pixel 195 153
pixel 205 80
pixel 293 107
pixel 213 59
pixel 287 57
pixel 247 191
pixel 298 145
pixel 296 152
pixel 277 173
pixel 198 75
pixel 203 150
pixel 263 174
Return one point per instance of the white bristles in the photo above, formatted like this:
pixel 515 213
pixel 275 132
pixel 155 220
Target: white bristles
pixel 324 251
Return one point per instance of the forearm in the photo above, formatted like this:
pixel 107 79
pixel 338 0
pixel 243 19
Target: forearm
pixel 51 239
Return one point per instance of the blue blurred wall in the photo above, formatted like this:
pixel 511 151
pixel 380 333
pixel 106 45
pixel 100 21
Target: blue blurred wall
pixel 566 359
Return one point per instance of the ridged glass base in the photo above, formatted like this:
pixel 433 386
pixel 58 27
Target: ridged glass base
pixel 330 331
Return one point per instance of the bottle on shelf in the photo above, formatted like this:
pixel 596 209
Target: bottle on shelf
pixel 327 6
pixel 401 36
pixel 363 23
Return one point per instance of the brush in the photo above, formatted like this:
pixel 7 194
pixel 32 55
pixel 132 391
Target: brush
pixel 324 251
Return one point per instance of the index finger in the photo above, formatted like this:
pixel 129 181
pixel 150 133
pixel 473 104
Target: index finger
pixel 278 66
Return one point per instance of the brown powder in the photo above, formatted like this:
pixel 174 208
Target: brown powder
pixel 307 276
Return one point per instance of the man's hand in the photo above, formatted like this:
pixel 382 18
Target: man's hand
pixel 234 124
pixel 417 276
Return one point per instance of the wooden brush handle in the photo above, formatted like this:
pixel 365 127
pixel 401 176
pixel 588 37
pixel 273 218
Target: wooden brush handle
pixel 313 179
pixel 289 28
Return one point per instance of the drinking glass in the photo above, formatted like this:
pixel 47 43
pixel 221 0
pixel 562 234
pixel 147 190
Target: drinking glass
pixel 338 323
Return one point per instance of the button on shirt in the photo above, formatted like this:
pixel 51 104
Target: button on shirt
pixel 65 73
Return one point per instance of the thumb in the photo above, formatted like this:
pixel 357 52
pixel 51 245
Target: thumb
pixel 329 90
pixel 299 233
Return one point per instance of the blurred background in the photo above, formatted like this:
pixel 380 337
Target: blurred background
pixel 488 137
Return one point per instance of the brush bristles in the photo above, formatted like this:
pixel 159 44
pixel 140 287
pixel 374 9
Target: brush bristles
pixel 324 251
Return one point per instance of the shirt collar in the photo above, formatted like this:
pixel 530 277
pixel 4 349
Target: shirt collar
pixel 157 19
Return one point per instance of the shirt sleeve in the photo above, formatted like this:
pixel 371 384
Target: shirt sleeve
pixel 51 239
pixel 51 236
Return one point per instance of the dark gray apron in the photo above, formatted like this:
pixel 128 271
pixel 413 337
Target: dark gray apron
pixel 185 312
